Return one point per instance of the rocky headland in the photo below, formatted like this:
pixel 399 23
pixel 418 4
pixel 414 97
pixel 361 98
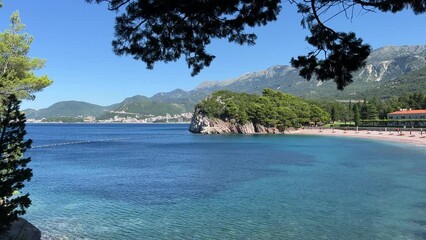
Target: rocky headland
pixel 203 124
pixel 273 112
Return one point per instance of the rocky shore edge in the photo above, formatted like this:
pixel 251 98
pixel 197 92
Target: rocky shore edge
pixel 203 124
pixel 22 229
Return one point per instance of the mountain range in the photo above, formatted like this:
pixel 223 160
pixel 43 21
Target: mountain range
pixel 390 71
pixel 133 106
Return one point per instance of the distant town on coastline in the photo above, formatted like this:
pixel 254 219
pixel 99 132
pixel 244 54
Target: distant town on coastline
pixel 119 118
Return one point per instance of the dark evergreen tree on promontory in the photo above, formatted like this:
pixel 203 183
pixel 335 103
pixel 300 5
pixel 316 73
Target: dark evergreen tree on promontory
pixel 163 30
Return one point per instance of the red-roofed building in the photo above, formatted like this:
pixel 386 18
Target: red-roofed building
pixel 408 117
pixel 408 114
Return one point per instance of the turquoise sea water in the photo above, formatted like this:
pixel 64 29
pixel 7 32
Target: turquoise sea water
pixel 162 182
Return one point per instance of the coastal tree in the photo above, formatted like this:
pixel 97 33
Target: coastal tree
pixel 318 115
pixel 333 114
pixel 368 110
pixel 160 30
pixel 286 118
pixel 17 81
pixel 363 110
pixel 231 110
pixel 13 165
pixel 16 67
pixel 372 113
pixel 374 106
pixel 357 117
pixel 349 113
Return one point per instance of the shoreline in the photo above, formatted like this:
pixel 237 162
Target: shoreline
pixel 107 123
pixel 414 139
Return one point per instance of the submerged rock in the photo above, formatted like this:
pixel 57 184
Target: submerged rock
pixel 21 229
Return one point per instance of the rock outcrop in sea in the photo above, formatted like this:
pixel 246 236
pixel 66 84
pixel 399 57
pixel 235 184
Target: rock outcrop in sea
pixel 203 124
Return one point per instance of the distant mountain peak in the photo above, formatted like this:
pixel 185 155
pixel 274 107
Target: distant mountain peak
pixel 206 84
pixel 269 72
pixel 136 98
pixel 390 52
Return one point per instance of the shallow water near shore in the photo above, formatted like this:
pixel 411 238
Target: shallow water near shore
pixel 100 181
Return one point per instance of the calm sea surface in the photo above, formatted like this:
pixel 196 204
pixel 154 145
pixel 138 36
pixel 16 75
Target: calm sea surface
pixel 119 181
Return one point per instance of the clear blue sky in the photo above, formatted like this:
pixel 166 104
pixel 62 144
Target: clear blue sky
pixel 75 38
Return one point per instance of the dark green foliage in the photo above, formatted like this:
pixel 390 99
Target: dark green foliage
pixel 160 30
pixel 163 30
pixel 338 111
pixel 368 109
pixel 13 170
pixel 227 104
pixel 333 114
pixel 357 115
pixel 375 109
pixel 317 115
pixel 407 101
pixel 349 116
pixel 371 109
pixel 363 110
pixel 272 109
pixel 346 54
pixel 372 112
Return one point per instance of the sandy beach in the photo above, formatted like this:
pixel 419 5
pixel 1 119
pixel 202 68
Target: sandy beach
pixel 415 138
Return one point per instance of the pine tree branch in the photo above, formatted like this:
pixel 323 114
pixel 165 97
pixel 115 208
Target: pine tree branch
pixel 314 12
